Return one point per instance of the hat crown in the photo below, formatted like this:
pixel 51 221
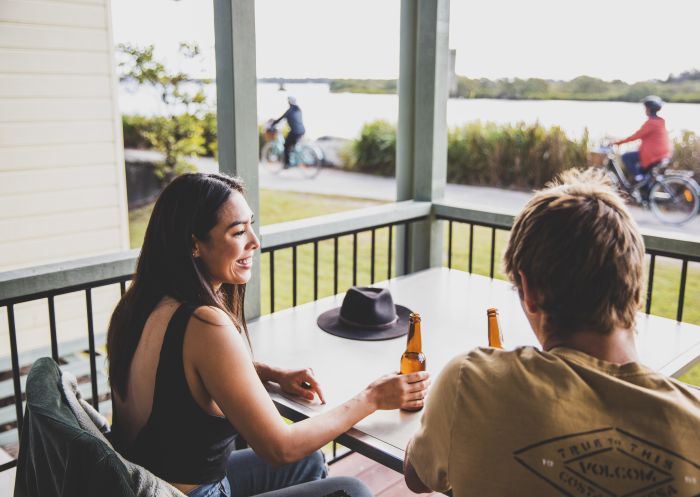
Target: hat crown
pixel 368 306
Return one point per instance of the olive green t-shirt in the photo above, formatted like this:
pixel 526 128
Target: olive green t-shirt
pixel 533 423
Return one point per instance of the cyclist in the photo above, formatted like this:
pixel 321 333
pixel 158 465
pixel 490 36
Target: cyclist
pixel 296 127
pixel 656 145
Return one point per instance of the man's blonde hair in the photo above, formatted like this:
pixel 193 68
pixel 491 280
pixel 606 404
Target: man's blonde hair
pixel 581 252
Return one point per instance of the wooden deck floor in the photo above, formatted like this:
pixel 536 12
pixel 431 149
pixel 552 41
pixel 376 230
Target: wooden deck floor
pixel 382 481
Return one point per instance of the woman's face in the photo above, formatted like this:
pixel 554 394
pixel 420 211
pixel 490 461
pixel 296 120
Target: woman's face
pixel 227 254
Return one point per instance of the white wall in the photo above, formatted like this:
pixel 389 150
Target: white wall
pixel 62 185
pixel 62 189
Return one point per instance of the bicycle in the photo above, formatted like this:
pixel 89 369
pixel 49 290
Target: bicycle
pixel 673 196
pixel 308 158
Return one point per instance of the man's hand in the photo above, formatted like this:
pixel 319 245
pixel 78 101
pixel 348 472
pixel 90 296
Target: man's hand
pixel 300 382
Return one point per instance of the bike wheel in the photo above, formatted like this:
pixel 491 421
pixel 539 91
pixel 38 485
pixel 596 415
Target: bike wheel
pixel 309 161
pixel 674 200
pixel 272 157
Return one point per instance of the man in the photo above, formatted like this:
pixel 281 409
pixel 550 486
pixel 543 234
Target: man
pixel 656 145
pixel 296 127
pixel 581 416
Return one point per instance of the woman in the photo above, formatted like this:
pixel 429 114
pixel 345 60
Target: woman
pixel 182 377
pixel 656 145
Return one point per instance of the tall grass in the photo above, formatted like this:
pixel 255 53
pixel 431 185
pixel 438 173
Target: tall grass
pixel 521 155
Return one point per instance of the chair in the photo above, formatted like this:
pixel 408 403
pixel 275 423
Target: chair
pixel 63 451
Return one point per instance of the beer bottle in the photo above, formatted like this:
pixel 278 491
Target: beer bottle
pixel 413 359
pixel 495 336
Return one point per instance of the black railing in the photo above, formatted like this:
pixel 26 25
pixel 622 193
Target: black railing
pixel 95 397
pixel 488 226
pixel 273 279
pixel 653 254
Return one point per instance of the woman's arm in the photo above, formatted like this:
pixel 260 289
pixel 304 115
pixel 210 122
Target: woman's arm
pixel 222 362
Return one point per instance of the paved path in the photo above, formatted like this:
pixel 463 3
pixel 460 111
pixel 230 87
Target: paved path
pixel 338 182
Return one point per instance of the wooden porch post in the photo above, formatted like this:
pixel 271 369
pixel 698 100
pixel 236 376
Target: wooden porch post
pixel 236 110
pixel 421 155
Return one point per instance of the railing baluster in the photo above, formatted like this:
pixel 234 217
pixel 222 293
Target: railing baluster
pixel 91 349
pixel 52 329
pixel 371 267
pixel 15 365
pixel 405 248
pixel 390 251
pixel 449 245
pixel 354 259
pixel 316 270
pixel 122 287
pixel 650 284
pixel 335 265
pixel 681 291
pixel 272 281
pixel 471 246
pixel 493 250
pixel 294 276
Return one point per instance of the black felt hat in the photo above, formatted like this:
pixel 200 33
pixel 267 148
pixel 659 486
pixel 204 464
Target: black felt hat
pixel 367 313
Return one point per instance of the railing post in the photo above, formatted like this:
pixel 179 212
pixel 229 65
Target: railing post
pixel 421 148
pixel 234 26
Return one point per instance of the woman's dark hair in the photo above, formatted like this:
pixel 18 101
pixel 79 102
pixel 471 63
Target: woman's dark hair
pixel 189 206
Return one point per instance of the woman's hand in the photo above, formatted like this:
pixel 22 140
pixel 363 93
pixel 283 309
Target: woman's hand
pixel 395 390
pixel 300 382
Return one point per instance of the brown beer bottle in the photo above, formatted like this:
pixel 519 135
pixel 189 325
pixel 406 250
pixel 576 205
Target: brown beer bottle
pixel 495 336
pixel 413 359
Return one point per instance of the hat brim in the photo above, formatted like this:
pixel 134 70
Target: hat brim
pixel 330 322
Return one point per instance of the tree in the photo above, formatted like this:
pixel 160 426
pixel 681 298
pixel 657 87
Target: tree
pixel 179 134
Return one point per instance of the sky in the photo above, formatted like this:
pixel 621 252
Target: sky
pixel 631 40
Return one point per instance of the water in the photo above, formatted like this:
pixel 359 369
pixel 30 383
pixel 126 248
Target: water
pixel 343 114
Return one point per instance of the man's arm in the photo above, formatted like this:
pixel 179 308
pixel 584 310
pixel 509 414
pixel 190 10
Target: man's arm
pixel 274 123
pixel 413 481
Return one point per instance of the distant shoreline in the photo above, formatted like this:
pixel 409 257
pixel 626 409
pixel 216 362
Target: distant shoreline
pixel 684 88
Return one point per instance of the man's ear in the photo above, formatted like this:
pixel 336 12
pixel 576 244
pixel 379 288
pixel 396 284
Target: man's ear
pixel 529 297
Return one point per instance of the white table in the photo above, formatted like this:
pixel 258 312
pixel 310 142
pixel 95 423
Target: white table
pixel 453 307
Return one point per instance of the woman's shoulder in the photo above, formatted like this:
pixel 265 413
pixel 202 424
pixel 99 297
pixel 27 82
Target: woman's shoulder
pixel 211 316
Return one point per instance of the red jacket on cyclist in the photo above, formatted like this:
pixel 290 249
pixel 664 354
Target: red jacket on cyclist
pixel 656 145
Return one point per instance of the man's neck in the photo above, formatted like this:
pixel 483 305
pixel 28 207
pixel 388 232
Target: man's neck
pixel 617 346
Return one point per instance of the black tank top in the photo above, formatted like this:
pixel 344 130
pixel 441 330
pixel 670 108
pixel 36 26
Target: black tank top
pixel 180 442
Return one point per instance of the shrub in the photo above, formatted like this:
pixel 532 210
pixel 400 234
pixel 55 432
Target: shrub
pixel 521 155
pixel 687 152
pixel 133 127
pixel 375 150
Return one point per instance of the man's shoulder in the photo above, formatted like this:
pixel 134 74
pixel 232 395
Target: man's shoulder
pixel 492 364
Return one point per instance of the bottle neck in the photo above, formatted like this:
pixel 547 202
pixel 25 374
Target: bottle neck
pixel 414 343
pixel 495 338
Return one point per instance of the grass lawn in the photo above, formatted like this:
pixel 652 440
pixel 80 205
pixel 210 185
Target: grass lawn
pixel 286 206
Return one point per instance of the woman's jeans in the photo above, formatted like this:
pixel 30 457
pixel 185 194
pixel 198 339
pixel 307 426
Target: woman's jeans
pixel 247 474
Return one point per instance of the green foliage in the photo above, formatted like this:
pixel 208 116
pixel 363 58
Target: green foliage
pixel 521 155
pixel 363 86
pixel 181 133
pixel 682 88
pixel 375 150
pixel 686 153
pixel 133 127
